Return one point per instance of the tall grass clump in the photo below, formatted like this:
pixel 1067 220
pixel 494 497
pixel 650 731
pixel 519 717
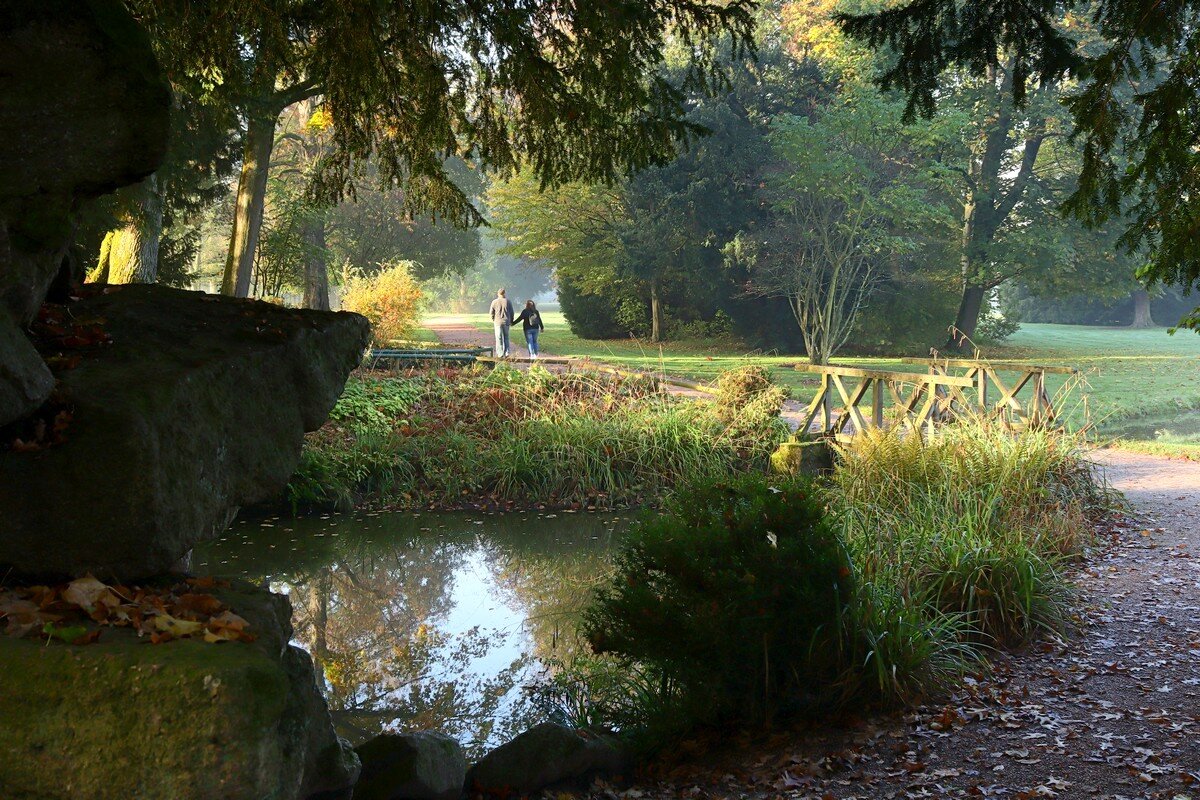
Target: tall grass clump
pixel 974 523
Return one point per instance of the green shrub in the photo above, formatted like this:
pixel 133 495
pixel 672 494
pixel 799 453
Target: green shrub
pixel 737 387
pixel 995 327
pixel 749 402
pixel 737 598
pixel 375 402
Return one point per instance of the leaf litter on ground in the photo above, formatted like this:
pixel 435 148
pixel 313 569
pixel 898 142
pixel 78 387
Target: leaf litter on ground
pixel 77 611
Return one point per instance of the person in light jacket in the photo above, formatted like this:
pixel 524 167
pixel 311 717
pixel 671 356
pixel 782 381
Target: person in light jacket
pixel 531 322
pixel 502 318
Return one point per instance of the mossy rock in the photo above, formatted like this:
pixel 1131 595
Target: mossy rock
pixel 547 755
pixel 802 457
pixel 124 718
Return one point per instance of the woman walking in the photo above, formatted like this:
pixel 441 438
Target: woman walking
pixel 531 323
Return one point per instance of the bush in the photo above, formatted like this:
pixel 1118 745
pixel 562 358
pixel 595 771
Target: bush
pixel 594 316
pixel 737 598
pixel 996 327
pixel 389 299
pixel 747 400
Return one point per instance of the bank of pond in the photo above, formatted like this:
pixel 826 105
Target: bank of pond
pixel 475 437
pixel 746 599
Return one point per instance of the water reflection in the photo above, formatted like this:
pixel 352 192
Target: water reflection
pixel 426 622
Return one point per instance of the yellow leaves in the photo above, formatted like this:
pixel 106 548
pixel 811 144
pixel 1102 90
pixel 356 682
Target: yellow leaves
pixel 319 120
pixel 165 623
pixel 227 627
pixel 389 299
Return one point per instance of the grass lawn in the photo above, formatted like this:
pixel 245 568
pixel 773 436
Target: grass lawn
pixel 1142 384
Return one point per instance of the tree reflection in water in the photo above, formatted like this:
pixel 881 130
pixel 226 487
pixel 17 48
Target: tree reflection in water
pixel 426 622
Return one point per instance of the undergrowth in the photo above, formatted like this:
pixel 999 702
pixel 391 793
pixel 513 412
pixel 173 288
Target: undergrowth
pixel 453 437
pixel 751 599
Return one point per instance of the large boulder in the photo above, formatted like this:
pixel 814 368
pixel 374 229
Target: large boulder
pixel 25 381
pixel 411 766
pixel 196 406
pixel 85 111
pixel 546 755
pixel 184 720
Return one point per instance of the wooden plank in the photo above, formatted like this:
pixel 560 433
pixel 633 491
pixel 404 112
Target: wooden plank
pixel 876 402
pixel 1005 364
pixel 852 412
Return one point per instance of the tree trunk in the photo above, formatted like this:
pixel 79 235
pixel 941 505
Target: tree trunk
pixel 316 267
pixel 655 313
pixel 129 254
pixel 968 317
pixel 251 198
pixel 319 589
pixel 1141 309
pixel 987 204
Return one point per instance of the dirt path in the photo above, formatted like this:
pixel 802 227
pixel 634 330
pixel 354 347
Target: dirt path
pixel 458 334
pixel 1113 712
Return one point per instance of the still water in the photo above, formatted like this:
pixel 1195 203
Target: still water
pixel 427 621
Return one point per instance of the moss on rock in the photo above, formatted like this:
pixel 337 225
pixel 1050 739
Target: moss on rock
pixel 123 718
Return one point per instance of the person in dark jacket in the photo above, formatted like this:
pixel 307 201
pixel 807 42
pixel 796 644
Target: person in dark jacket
pixel 502 317
pixel 531 322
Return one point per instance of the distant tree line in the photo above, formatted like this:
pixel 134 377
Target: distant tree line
pixel 817 213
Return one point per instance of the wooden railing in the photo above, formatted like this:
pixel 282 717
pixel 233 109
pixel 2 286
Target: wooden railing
pixel 851 400
pixel 1036 409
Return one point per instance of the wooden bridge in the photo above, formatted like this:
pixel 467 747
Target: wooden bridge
pixel 416 355
pixel 851 400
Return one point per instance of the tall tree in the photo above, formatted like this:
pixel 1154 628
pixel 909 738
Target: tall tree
pixel 1139 158
pixel 851 194
pixel 129 252
pixel 569 88
pixel 299 226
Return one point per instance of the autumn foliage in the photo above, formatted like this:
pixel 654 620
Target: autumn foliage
pixel 76 612
pixel 389 299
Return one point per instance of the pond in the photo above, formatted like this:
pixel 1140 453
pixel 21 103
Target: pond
pixel 427 621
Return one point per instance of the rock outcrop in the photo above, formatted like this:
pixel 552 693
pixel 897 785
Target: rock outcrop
pixel 85 111
pixel 197 405
pixel 122 718
pixel 411 766
pixel 25 381
pixel 547 755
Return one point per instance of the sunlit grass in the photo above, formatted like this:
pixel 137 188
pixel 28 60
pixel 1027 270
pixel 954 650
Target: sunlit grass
pixel 1129 375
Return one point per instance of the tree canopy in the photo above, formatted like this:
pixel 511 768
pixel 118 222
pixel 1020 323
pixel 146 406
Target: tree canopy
pixel 568 88
pixel 1139 157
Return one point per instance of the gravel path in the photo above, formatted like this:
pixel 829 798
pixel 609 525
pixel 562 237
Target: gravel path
pixel 1112 712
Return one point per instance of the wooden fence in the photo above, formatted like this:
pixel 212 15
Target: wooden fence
pixel 851 400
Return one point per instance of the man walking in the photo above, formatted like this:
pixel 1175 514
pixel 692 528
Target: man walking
pixel 502 318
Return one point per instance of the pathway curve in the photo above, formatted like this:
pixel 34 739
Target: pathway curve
pixel 458 334
pixel 1113 712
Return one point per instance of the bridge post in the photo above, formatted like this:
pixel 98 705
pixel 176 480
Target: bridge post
pixel 876 402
